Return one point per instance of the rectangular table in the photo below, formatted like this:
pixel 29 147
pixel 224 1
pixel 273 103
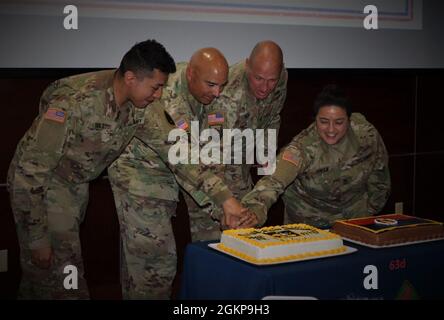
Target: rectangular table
pixel 407 272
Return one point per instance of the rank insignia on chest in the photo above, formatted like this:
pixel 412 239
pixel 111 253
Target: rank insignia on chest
pixel 101 126
pixel 215 118
pixel 56 115
pixel 168 118
pixel 182 124
pixel 106 135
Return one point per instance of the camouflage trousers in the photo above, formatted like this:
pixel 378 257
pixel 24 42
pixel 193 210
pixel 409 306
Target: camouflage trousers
pixel 204 222
pixel 148 256
pixel 202 226
pixel 66 207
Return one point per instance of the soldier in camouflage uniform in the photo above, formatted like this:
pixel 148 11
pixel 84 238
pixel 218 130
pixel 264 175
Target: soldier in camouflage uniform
pixel 146 191
pixel 84 123
pixel 337 168
pixel 253 98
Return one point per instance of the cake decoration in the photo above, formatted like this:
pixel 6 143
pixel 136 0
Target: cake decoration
pixel 280 243
pixel 381 230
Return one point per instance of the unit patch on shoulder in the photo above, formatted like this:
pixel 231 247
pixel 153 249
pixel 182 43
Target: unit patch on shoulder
pixel 290 157
pixel 182 124
pixel 56 115
pixel 215 118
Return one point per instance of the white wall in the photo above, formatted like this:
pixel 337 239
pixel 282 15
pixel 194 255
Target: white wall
pixel 41 41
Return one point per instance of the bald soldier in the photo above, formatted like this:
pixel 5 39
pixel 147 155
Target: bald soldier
pixel 144 187
pixel 337 168
pixel 84 123
pixel 252 99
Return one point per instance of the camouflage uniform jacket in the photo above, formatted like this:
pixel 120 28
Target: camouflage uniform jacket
pixel 147 154
pixel 241 110
pixel 79 131
pixel 322 182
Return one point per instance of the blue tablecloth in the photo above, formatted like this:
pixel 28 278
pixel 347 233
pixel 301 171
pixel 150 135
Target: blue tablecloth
pixel 413 271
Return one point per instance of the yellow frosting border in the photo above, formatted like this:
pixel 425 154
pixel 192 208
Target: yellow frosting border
pixel 293 257
pixel 324 235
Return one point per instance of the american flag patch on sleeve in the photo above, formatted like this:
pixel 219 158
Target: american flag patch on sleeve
pixel 56 115
pixel 182 124
pixel 290 157
pixel 215 118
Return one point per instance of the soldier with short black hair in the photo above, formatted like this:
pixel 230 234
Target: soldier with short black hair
pixel 84 123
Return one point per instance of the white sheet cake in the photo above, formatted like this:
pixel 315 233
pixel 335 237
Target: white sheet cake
pixel 280 243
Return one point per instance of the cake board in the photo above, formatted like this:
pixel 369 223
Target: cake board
pixel 348 250
pixel 389 245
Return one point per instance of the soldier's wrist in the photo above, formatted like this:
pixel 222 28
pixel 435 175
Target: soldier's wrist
pixel 220 197
pixel 259 210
